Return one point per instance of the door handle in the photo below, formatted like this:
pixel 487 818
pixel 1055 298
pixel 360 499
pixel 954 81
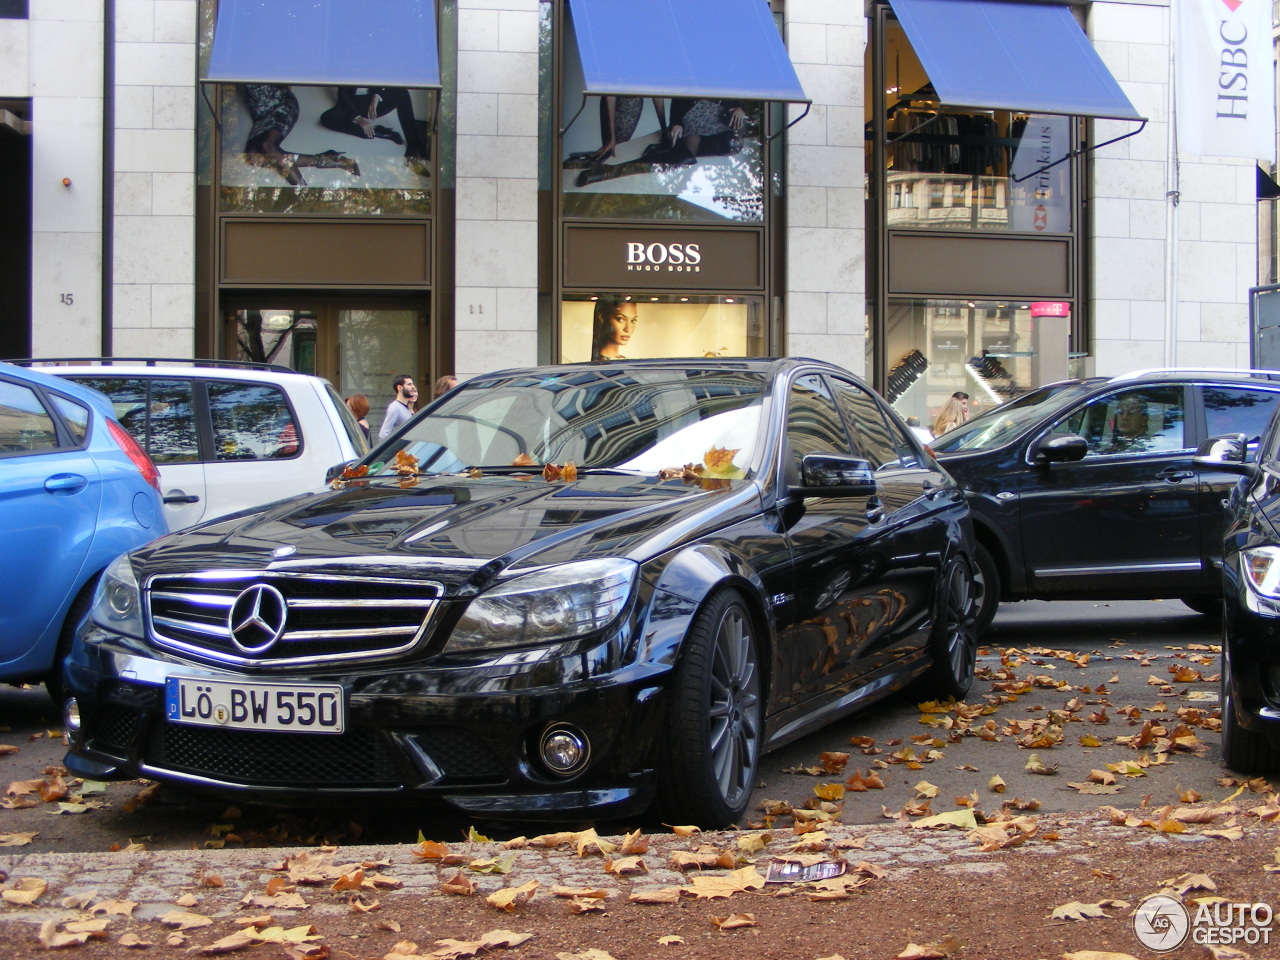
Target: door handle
pixel 66 483
pixel 1175 475
pixel 182 498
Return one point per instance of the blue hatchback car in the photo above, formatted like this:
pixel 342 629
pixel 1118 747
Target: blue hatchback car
pixel 76 491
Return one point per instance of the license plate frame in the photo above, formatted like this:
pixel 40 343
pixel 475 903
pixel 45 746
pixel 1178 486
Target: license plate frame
pixel 316 708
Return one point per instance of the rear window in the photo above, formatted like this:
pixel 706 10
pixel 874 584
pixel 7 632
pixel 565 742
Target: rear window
pixel 159 414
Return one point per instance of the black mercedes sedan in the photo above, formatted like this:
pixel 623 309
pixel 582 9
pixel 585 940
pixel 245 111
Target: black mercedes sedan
pixel 558 593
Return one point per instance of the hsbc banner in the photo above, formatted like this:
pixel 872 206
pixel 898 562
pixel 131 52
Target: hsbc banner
pixel 1225 88
pixel 1039 195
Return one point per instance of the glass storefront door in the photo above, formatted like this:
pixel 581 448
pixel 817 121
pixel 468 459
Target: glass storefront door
pixel 359 345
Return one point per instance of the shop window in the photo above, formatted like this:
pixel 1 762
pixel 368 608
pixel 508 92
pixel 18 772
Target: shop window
pixel 986 349
pixel 674 158
pixel 619 326
pixel 992 161
pixel 348 150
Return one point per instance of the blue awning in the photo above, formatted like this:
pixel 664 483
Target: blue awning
pixel 1000 55
pixel 391 43
pixel 711 49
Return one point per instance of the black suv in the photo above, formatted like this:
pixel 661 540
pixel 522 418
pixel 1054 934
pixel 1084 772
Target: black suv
pixel 1090 489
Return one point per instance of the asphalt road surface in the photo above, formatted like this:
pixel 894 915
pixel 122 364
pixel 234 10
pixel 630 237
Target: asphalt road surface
pixel 1139 679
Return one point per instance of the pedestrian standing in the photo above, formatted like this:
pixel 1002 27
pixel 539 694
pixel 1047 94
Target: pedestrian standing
pixel 400 409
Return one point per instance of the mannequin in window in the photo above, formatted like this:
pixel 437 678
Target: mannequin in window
pixel 274 111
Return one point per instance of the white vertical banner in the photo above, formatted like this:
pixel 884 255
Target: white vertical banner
pixel 1226 105
pixel 1039 194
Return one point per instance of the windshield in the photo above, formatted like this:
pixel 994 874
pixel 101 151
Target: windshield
pixel 627 419
pixel 1001 425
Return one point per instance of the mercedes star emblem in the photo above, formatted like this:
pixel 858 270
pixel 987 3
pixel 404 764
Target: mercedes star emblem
pixel 257 618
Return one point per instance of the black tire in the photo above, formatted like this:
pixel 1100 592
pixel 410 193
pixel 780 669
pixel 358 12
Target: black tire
pixel 987 579
pixel 714 725
pixel 75 613
pixel 953 645
pixel 1242 750
pixel 1203 605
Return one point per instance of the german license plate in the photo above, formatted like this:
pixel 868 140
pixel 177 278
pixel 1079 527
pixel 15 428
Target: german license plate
pixel 237 705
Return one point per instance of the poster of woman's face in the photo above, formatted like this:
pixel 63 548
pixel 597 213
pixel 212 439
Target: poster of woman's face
pixel 682 158
pixel 335 138
pixel 626 327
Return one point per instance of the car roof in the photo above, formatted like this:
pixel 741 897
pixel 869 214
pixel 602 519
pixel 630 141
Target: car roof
pixel 84 394
pixel 1196 374
pixel 165 367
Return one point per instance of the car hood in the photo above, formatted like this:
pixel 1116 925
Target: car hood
pixel 458 531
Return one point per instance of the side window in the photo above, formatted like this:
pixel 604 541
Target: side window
pixel 74 415
pixel 25 425
pixel 1238 410
pixel 129 400
pixel 873 436
pixel 251 421
pixel 159 414
pixel 172 436
pixel 813 421
pixel 1145 420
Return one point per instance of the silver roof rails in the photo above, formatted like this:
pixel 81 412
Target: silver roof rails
pixel 1228 371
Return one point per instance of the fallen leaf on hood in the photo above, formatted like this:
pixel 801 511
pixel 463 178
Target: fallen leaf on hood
pixel 512 899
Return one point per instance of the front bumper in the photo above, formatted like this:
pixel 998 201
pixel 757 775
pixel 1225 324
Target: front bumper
pixel 464 737
pixel 1251 640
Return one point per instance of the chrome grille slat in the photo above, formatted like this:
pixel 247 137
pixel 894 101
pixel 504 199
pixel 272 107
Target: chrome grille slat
pixel 327 617
pixel 339 604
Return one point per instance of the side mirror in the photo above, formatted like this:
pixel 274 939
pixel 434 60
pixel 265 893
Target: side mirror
pixel 336 470
pixel 1061 448
pixel 1228 452
pixel 832 475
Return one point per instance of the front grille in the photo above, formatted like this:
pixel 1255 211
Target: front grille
pixel 324 618
pixel 358 758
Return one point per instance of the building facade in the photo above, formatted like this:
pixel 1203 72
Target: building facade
pixel 516 191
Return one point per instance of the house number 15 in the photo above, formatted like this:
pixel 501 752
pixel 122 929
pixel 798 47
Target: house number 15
pixel 67 298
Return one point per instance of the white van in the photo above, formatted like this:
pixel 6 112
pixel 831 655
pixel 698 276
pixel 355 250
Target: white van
pixel 226 436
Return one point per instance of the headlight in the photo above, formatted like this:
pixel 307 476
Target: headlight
pixel 117 604
pixel 556 604
pixel 1260 567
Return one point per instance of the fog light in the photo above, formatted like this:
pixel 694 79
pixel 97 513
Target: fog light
pixel 564 750
pixel 71 716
